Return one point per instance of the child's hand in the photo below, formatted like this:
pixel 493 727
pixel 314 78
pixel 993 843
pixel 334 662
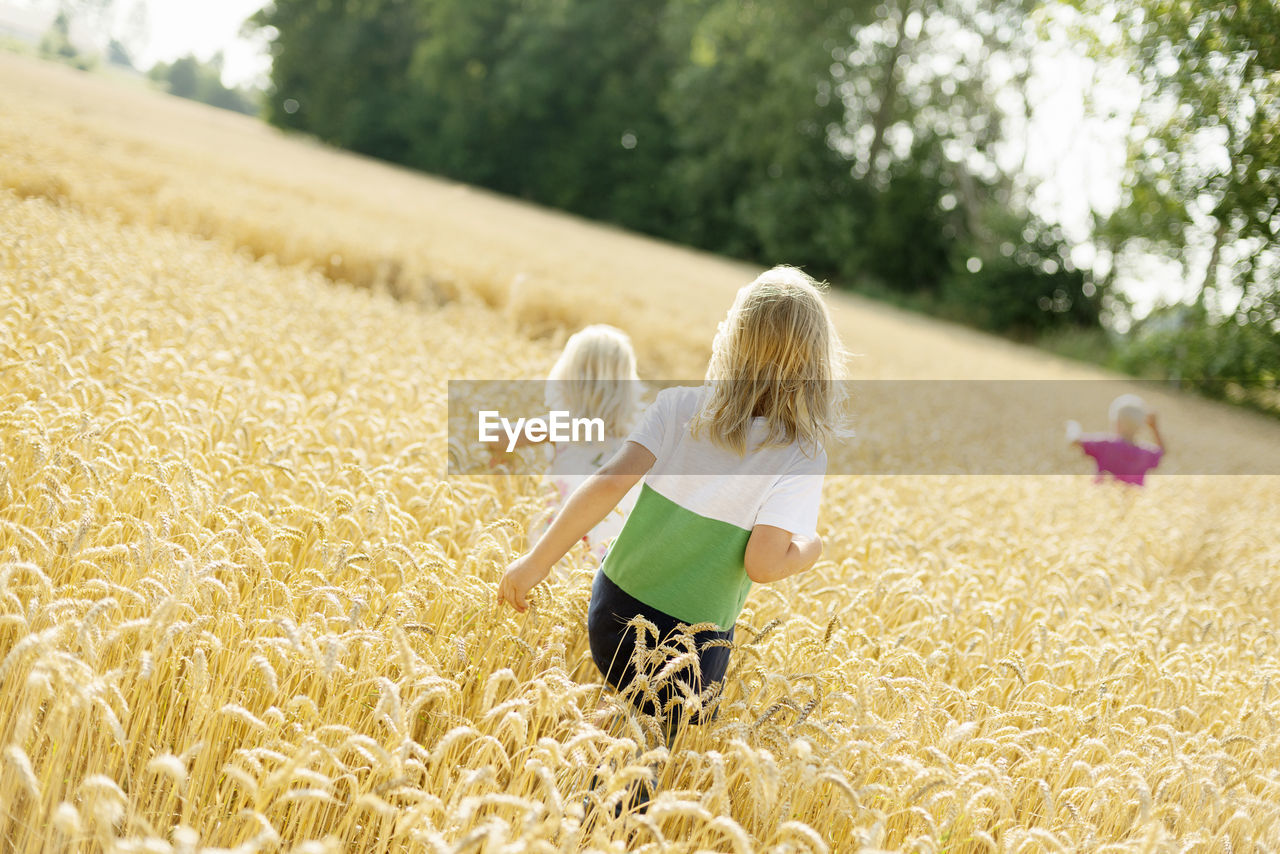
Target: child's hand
pixel 1151 420
pixel 521 577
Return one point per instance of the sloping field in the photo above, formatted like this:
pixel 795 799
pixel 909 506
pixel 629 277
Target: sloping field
pixel 241 607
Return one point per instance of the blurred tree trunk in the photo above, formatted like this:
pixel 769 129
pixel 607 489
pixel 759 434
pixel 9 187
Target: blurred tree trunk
pixel 883 115
pixel 1210 279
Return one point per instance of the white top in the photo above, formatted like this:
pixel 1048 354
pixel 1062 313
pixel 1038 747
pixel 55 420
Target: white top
pixel 778 486
pixel 571 464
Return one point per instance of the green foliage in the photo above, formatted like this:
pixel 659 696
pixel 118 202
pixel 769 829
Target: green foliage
pixel 118 54
pixel 1227 359
pixel 754 173
pixel 1020 280
pixel 1202 186
pixel 910 240
pixel 188 77
pixel 340 71
pixel 1203 163
pixel 1004 296
pixel 1096 345
pixel 57 45
pixel 552 101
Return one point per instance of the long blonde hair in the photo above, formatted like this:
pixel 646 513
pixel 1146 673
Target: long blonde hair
pixel 777 356
pixel 595 377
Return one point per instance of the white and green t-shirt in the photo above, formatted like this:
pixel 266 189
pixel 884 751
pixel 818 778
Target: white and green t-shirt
pixel 681 550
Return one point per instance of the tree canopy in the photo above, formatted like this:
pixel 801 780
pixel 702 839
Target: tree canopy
pixel 852 137
pixel 874 142
pixel 188 77
pixel 1202 183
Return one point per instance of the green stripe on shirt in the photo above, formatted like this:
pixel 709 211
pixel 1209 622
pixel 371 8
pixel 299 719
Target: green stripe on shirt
pixel 683 564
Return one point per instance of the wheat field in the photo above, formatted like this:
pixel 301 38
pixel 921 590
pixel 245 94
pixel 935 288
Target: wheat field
pixel 242 608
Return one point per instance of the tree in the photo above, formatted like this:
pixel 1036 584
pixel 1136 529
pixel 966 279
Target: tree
pixel 923 88
pixel 751 107
pixel 56 43
pixel 864 140
pixel 552 100
pixel 341 71
pixel 1204 160
pixel 184 77
pixel 118 54
pixel 1202 185
pixel 188 77
pixel 818 132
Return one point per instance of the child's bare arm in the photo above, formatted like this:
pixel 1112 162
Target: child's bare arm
pixel 1074 434
pixel 586 507
pixel 774 554
pixel 1155 431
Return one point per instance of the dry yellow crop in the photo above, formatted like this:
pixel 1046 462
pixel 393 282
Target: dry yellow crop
pixel 242 607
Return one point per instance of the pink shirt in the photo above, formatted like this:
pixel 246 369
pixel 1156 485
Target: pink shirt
pixel 1125 461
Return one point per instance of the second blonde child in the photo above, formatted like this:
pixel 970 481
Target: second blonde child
pixel 595 376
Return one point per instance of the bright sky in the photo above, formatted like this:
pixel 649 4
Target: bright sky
pixel 204 27
pixel 173 28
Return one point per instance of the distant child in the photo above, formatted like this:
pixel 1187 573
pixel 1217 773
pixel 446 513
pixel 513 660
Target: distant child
pixel 1119 455
pixel 732 478
pixel 594 377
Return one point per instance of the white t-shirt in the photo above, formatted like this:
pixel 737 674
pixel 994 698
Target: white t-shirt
pixel 571 464
pixel 681 550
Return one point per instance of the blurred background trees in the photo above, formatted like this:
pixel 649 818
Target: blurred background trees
pixel 189 77
pixel 879 143
pixel 1202 186
pixel 101 44
pixel 882 144
pixel 56 44
pixel 854 138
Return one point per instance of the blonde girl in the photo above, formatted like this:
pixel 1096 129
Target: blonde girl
pixel 594 377
pixel 732 478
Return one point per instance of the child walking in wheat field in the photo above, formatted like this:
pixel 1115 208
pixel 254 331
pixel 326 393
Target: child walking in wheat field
pixel 595 377
pixel 732 476
pixel 1120 455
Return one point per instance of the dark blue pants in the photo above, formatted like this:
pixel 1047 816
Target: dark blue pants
pixel 613 643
